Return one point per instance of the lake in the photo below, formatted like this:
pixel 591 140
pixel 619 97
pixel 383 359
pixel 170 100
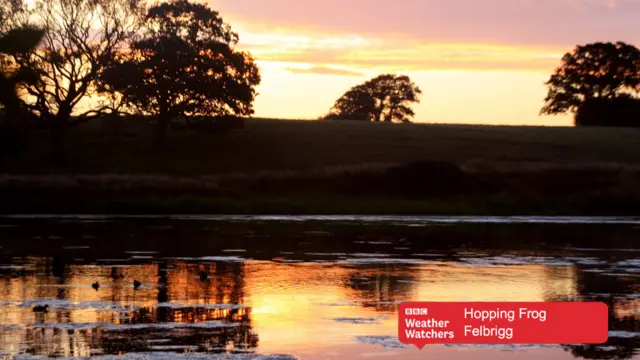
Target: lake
pixel 279 287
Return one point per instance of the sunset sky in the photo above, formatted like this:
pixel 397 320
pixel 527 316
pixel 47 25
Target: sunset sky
pixel 477 61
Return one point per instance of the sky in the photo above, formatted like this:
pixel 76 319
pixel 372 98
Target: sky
pixel 476 61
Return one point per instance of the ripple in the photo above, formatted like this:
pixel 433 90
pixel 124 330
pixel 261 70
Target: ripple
pixel 601 249
pixel 324 254
pixel 371 255
pixel 515 260
pixel 629 262
pixel 69 305
pixel 202 306
pixel 123 327
pixel 405 220
pixel 171 356
pixel 387 342
pixel 13 267
pixel 211 258
pixel 359 321
pixel 173 347
pixel 623 334
pixel 365 261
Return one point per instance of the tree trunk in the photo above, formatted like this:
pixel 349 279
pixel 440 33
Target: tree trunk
pixel 59 140
pixel 379 112
pixel 161 132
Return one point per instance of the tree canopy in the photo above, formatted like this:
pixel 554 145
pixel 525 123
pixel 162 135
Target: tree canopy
pixel 184 64
pixel 16 37
pixel 385 98
pixel 13 109
pixel 15 41
pixel 80 38
pixel 596 70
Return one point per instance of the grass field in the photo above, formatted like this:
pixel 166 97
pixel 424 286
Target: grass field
pixel 312 167
pixel 266 145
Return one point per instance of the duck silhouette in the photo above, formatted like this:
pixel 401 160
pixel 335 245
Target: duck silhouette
pixel 41 308
pixel 136 284
pixel 95 286
pixel 203 276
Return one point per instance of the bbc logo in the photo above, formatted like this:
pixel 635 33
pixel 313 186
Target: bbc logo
pixel 416 311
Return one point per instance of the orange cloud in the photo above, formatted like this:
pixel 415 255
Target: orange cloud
pixel 322 70
pixel 360 54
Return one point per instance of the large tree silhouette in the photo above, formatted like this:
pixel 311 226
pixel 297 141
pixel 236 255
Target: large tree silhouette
pixel 81 37
pixel 386 98
pixel 185 65
pixel 593 71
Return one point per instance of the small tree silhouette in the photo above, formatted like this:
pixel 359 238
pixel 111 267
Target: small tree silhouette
pixel 385 98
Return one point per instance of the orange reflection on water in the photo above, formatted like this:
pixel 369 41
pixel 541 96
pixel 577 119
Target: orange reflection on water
pixel 314 306
pixel 313 310
pixel 513 283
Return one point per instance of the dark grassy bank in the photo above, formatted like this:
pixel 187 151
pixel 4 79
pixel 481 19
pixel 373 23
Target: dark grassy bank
pixel 275 145
pixel 302 167
pixel 427 187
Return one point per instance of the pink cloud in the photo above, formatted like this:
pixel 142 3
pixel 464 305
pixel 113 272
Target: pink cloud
pixel 515 22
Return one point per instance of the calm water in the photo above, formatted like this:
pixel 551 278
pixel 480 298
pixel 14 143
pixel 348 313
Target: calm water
pixel 307 288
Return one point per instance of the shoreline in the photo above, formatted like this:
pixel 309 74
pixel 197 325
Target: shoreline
pixel 311 206
pixel 428 188
pixel 414 220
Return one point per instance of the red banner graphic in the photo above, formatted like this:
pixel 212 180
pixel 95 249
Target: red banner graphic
pixel 423 323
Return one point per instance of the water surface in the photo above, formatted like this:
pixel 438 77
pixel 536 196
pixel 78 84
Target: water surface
pixel 298 287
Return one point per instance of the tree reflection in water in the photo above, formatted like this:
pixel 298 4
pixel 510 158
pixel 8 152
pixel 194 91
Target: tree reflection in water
pixel 382 286
pixel 619 293
pixel 176 312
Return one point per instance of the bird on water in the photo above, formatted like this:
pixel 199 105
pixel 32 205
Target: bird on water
pixel 95 286
pixel 203 276
pixel 136 284
pixel 41 308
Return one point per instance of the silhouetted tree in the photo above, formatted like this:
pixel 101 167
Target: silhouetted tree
pixel 81 37
pixel 622 111
pixel 14 40
pixel 15 37
pixel 592 71
pixel 185 65
pixel 385 98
